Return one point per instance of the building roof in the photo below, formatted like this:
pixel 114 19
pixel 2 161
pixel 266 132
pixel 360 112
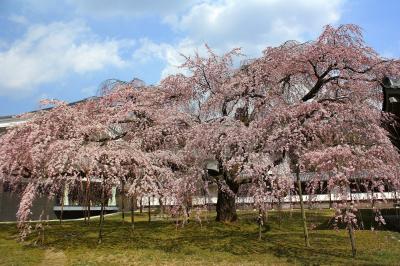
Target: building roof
pixel 7 121
pixel 391 83
pixel 12 120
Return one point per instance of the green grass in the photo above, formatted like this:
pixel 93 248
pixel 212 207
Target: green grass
pixel 159 242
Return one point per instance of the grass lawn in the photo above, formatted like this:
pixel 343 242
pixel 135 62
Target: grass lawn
pixel 159 242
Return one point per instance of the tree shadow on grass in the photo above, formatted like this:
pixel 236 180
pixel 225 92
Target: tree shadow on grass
pixel 284 241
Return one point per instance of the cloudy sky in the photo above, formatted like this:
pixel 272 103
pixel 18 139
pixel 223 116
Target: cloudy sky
pixel 64 49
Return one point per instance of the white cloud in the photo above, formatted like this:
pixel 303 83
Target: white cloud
pixel 149 50
pixel 170 54
pixel 252 25
pixel 47 53
pixel 129 8
pixel 18 19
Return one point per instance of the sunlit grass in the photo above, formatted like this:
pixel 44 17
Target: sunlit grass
pixel 160 242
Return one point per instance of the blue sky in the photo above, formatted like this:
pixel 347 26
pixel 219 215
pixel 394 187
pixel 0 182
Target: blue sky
pixel 64 49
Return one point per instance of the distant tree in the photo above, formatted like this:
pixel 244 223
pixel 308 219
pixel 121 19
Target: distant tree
pixel 110 85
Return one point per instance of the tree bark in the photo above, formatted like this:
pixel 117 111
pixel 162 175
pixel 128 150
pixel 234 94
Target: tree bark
pixel 149 210
pixel 1 196
pixel 352 239
pixel 260 220
pixel 82 199
pixel 280 212
pixel 188 206
pixel 101 216
pixel 88 199
pixel 123 200
pixel 303 213
pixel 62 204
pixel 226 203
pixel 162 209
pixel 132 213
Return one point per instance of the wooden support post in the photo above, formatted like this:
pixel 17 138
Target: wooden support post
pixel 303 213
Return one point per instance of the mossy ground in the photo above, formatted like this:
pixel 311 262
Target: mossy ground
pixel 160 243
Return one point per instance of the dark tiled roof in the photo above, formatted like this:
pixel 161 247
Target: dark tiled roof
pixel 391 83
pixel 9 119
pixel 15 118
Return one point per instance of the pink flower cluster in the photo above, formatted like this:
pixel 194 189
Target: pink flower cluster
pixel 310 105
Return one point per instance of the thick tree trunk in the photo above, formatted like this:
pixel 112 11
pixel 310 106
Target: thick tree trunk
pixel 303 213
pixel 226 203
